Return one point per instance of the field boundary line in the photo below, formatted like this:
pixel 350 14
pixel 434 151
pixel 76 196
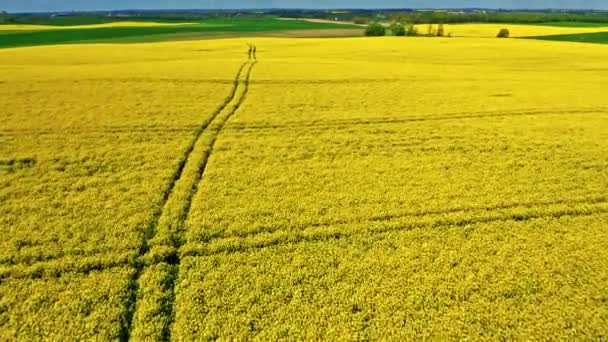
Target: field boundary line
pixel 150 230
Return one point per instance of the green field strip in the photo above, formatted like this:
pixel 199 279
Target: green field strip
pixel 261 239
pixel 152 316
pixel 109 34
pixel 595 38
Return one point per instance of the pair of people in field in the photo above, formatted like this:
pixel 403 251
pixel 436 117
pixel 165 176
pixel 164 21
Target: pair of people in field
pixel 252 52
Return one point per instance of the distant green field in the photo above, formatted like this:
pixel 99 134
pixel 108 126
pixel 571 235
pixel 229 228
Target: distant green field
pixel 598 38
pixel 134 34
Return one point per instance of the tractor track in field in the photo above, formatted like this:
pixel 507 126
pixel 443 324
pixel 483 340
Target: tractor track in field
pixel 349 123
pixel 472 210
pixel 150 231
pixel 312 232
pixel 103 260
pixel 318 233
pixel 178 239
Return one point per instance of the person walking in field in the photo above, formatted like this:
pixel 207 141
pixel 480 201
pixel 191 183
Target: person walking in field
pixel 250 51
pixel 255 48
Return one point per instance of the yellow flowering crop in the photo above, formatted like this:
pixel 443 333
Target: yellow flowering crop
pixel 304 189
pixel 25 27
pixel 516 30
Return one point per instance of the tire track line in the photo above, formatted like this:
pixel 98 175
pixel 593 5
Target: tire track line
pixel 90 263
pixel 325 234
pixel 348 123
pixel 150 231
pixel 153 310
pixel 178 239
pixel 469 210
pixel 309 233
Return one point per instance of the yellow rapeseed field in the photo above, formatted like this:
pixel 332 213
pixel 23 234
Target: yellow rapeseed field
pixel 25 27
pixel 516 30
pixel 405 188
pixel 335 189
pixel 90 137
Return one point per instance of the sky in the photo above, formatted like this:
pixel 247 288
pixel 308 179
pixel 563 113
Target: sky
pixel 101 5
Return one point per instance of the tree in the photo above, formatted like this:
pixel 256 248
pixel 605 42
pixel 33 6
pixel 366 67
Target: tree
pixel 415 18
pixel 4 17
pixel 440 31
pixel 399 17
pixel 375 30
pixel 503 33
pixel 412 30
pixel 398 29
pixel 430 30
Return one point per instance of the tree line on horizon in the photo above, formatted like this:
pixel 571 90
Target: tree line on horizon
pixel 360 16
pixel 398 29
pixel 453 16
